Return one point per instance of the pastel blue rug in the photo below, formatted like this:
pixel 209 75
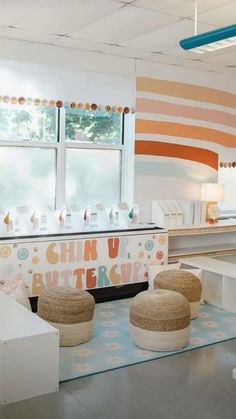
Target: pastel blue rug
pixel 112 347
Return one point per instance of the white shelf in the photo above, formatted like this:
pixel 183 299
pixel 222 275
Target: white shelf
pixel 203 250
pixel 223 226
pixel 209 240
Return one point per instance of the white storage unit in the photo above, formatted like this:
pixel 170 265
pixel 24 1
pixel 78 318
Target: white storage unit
pixel 29 353
pixel 219 281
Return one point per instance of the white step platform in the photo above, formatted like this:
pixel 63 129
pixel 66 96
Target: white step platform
pixel 29 353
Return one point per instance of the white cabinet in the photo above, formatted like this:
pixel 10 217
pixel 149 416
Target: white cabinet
pixel 29 353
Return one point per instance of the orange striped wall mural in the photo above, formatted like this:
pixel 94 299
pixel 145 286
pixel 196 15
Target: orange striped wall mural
pixel 184 111
pixel 187 91
pixel 174 129
pixel 209 120
pixel 158 148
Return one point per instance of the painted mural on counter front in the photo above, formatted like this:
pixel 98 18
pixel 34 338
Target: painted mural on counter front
pixel 84 264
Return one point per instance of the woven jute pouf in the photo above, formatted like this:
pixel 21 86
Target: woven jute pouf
pixel 70 311
pixel 160 320
pixel 184 282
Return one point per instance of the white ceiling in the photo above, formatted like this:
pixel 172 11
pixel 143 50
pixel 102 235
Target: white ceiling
pixel 141 29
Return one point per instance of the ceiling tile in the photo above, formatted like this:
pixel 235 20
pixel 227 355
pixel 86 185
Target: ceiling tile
pixel 182 8
pixel 166 59
pixel 225 56
pixel 68 42
pixel 15 9
pixel 61 17
pixel 15 33
pixel 166 38
pixel 220 16
pixel 126 23
pixel 125 52
pixel 202 66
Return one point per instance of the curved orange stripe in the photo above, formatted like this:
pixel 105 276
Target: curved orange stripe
pixel 158 148
pixel 175 129
pixel 191 112
pixel 186 91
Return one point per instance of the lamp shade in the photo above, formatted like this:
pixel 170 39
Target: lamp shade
pixel 212 192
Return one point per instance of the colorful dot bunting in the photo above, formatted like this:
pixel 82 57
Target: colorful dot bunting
pixel 60 104
pixel 227 164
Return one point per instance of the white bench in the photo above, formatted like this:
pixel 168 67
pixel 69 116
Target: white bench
pixel 29 353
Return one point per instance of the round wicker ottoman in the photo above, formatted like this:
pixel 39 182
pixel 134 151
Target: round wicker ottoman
pixel 160 320
pixel 184 282
pixel 69 310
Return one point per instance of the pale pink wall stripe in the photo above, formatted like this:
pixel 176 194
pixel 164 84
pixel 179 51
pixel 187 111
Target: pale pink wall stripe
pixel 191 112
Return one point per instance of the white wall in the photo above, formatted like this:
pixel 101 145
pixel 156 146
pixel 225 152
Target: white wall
pixel 31 69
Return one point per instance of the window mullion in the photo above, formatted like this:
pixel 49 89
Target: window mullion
pixel 61 161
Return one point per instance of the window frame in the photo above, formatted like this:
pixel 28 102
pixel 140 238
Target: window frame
pixel 61 145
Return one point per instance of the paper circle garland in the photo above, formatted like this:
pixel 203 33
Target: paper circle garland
pixel 73 105
pixel 14 100
pixel 229 164
pixel 22 100
pixel 6 99
pixel 52 103
pixel 59 104
pixel 29 101
pixel 37 101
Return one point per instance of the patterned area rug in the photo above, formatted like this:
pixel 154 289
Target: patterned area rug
pixel 112 347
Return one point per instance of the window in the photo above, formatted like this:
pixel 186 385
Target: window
pixel 28 176
pixel 27 123
pixel 55 156
pixel 93 176
pixel 93 127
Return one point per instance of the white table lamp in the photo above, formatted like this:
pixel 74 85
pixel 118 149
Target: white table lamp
pixel 212 193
